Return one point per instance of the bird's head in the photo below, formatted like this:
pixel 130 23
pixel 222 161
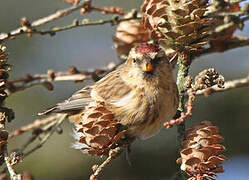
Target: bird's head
pixel 147 62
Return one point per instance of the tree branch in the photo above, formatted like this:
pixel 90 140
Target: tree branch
pixel 36 124
pixel 183 63
pixel 58 14
pixel 45 79
pixel 13 175
pixel 30 28
pixel 60 120
pixel 236 41
pixel 183 67
pixel 108 10
pixel 85 22
pixel 51 123
pixel 112 155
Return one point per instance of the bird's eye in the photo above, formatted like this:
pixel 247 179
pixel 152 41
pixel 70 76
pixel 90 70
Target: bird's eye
pixel 134 60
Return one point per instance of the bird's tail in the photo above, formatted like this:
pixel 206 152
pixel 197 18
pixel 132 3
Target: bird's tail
pixel 48 111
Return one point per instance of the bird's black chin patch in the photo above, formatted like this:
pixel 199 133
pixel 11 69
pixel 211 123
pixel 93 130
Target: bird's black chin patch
pixel 148 75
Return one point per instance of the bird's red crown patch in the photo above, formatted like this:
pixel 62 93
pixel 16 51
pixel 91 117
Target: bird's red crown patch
pixel 146 48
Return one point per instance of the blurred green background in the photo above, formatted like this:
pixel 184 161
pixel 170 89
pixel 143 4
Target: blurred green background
pixel 91 47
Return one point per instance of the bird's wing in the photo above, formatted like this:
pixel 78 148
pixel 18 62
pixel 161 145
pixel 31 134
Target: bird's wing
pixel 110 88
pixel 75 103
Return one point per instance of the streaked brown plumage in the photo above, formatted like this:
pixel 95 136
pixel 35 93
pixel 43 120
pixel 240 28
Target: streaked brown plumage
pixel 141 93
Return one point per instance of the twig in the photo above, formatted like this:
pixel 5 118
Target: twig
pixel 104 10
pixel 36 132
pixel 85 22
pixel 109 10
pixel 98 169
pixel 236 41
pixel 230 19
pixel 45 79
pixel 47 136
pixel 29 28
pixel 205 79
pixel 50 124
pixel 36 124
pixel 237 83
pixel 13 175
pixel 58 14
pixel 183 67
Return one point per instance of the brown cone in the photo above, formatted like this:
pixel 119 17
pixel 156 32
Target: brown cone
pixel 129 33
pixel 219 40
pixel 98 132
pixel 208 78
pixel 201 158
pixel 5 113
pixel 178 24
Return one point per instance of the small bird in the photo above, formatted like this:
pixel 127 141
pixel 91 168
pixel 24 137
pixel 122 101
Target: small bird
pixel 141 93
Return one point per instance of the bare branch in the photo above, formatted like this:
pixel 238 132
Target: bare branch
pixel 36 124
pixel 58 14
pixel 30 28
pixel 98 169
pixel 38 131
pixel 60 120
pixel 183 63
pixel 13 175
pixel 51 123
pixel 236 41
pixel 45 79
pixel 109 10
pixel 205 79
pixel 85 22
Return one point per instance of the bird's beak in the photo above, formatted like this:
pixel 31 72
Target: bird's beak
pixel 147 67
